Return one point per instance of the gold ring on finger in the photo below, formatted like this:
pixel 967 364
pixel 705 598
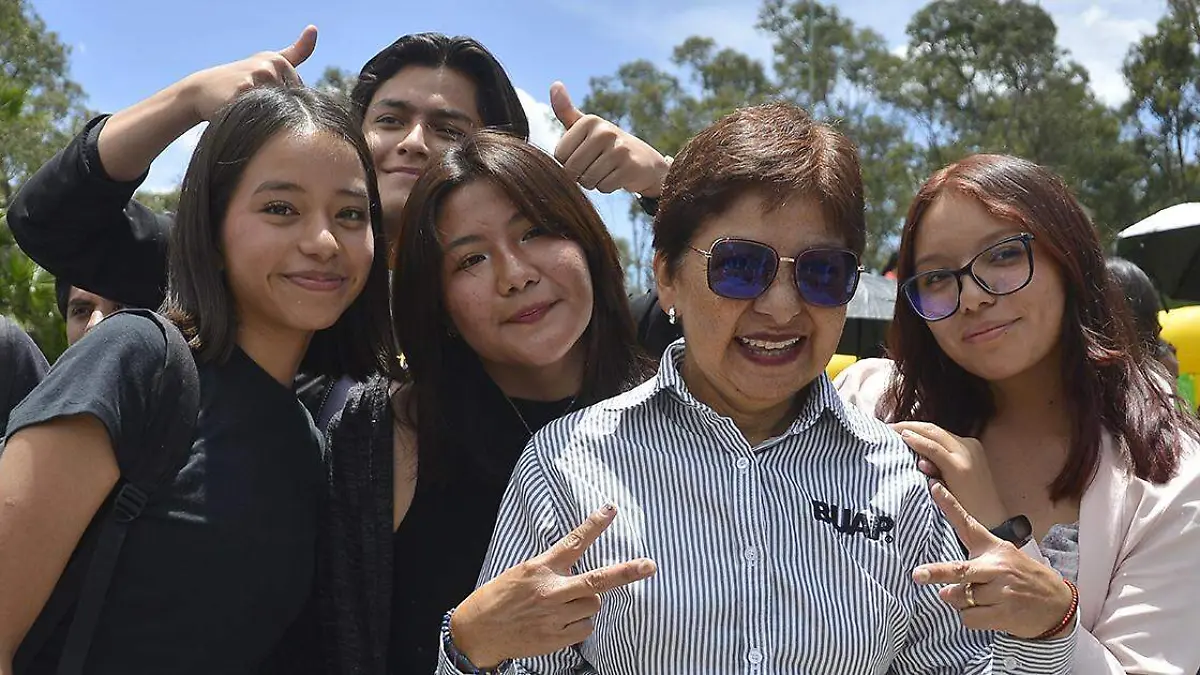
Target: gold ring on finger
pixel 969 591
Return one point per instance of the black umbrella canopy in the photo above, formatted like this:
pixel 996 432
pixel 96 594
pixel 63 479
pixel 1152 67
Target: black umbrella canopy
pixel 1167 247
pixel 868 316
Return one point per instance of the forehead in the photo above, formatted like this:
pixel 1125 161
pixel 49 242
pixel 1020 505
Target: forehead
pixel 79 295
pixel 958 226
pixel 473 208
pixel 798 223
pixel 429 89
pixel 306 156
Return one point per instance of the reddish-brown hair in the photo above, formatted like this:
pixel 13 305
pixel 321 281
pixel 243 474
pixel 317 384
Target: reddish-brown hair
pixel 1106 383
pixel 775 150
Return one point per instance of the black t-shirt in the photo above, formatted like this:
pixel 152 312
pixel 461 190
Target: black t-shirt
pixel 221 562
pixel 22 366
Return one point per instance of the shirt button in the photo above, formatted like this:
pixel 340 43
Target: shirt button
pixel 1010 664
pixel 755 656
pixel 751 554
pixel 743 463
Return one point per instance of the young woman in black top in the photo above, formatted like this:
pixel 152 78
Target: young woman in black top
pixel 273 268
pixel 509 306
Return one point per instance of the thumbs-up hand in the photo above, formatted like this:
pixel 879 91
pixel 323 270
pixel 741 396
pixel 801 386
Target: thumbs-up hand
pixel 210 90
pixel 602 156
pixel 539 607
pixel 998 587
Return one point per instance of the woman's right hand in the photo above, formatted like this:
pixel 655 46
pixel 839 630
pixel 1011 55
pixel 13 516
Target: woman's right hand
pixel 539 607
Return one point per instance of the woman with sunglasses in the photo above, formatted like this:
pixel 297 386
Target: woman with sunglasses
pixel 1020 383
pixel 785 524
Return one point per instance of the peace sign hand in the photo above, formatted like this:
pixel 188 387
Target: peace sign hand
pixel 539 607
pixel 999 587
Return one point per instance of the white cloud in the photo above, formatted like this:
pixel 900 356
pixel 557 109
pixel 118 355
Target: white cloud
pixel 544 128
pixel 166 173
pixel 1099 36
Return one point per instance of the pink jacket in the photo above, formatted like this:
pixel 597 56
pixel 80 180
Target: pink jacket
pixel 1139 556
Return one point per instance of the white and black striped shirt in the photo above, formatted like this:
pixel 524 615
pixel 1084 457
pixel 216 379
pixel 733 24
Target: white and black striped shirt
pixel 794 556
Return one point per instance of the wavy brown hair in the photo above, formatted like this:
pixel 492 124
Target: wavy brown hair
pixel 448 383
pixel 1106 385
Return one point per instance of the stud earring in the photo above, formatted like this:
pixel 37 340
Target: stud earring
pixel 671 317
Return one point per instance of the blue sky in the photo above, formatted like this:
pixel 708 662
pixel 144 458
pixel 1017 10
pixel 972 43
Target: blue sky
pixel 131 48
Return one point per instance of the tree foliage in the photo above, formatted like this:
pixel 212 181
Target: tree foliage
pixel 973 76
pixel 40 108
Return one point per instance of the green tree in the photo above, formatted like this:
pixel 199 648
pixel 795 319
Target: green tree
pixel 159 202
pixel 1164 107
pixel 337 81
pixel 40 107
pixel 833 68
pixel 665 109
pixel 988 76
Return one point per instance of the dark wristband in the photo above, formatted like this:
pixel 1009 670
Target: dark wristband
pixel 649 205
pixel 1016 531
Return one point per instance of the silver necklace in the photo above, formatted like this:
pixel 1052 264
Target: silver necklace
pixel 522 417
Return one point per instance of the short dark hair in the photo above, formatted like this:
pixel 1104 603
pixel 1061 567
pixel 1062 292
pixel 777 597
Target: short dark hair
pixel 62 295
pixel 198 297
pixel 1142 298
pixel 776 150
pixel 499 106
pixel 1107 386
pixel 439 363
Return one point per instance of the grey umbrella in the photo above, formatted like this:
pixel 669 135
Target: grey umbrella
pixel 868 316
pixel 1167 246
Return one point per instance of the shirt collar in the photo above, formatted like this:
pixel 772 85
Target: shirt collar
pixel 822 398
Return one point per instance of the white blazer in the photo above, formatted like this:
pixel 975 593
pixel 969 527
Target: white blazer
pixel 1139 555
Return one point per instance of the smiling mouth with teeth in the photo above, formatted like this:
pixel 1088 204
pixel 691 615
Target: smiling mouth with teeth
pixel 766 345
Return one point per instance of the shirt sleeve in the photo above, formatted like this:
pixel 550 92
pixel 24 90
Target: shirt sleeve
pixel 526 526
pixel 109 374
pixel 82 226
pixel 1147 623
pixel 939 643
pixel 22 367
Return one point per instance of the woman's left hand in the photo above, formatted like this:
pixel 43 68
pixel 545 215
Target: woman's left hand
pixel 961 464
pixel 999 587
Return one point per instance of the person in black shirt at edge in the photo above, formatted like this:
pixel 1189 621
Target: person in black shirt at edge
pixel 22 366
pixel 276 261
pixel 76 217
pixel 414 99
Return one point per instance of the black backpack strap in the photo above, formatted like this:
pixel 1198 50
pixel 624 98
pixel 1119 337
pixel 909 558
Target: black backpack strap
pixel 177 394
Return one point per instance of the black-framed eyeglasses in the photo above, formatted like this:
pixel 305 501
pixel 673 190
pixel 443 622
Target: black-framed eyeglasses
pixel 1000 269
pixel 743 269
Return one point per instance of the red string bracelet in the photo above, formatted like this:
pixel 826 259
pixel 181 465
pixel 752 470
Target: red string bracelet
pixel 1066 621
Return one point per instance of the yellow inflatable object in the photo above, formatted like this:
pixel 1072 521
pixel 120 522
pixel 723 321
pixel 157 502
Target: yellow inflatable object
pixel 838 363
pixel 1181 327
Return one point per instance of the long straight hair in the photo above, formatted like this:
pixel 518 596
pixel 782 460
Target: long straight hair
pixel 199 300
pixel 442 367
pixel 1107 387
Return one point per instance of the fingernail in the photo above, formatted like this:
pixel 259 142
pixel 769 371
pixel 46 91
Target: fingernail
pixel 646 568
pixel 940 489
pixel 609 508
pixel 920 576
pixel 907 433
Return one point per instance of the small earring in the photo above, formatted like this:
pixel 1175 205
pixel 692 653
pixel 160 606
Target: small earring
pixel 671 318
